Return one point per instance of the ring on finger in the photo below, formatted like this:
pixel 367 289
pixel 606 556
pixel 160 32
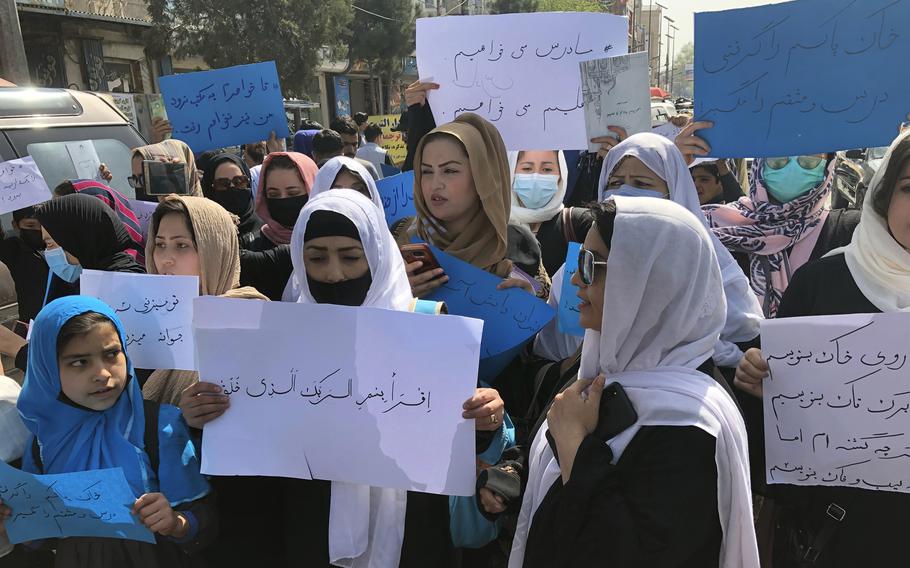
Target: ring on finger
pixel 494 419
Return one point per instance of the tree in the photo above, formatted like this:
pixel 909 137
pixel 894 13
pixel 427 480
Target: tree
pixel 381 40
pixel 514 6
pixel 686 55
pixel 296 34
pixel 570 6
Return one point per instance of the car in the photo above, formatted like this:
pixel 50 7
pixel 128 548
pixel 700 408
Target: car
pixel 45 124
pixel 855 169
pixel 661 112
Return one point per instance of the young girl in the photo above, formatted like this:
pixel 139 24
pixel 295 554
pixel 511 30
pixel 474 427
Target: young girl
pixel 82 403
pixel 284 187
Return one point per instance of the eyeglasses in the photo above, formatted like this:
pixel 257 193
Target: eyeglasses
pixel 805 162
pixel 238 182
pixel 586 265
pixel 137 182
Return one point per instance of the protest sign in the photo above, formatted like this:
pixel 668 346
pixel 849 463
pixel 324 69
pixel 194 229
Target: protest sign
pixel 567 313
pixel 519 71
pixel 144 210
pixel 837 402
pixel 156 312
pixel 801 77
pixel 225 107
pixel 21 185
pixel 368 396
pixel 391 140
pixel 397 195
pixel 85 159
pixel 616 93
pixel 87 503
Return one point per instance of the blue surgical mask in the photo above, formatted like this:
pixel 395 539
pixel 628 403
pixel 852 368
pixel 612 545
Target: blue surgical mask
pixel 629 191
pixel 535 190
pixel 56 261
pixel 793 180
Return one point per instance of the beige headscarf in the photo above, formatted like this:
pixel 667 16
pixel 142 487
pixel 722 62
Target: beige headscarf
pixel 483 242
pixel 174 149
pixel 219 275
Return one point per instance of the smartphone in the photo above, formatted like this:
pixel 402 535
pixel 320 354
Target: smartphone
pixel 420 252
pixel 615 415
pixel 164 178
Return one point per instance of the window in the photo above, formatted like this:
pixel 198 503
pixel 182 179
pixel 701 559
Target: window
pixel 59 161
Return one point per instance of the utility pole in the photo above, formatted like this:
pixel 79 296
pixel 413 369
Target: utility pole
pixel 673 69
pixel 13 64
pixel 667 64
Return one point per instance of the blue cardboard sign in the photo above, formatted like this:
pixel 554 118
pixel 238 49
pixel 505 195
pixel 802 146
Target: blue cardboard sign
pixel 803 77
pixel 511 317
pixel 86 503
pixel 567 313
pixel 389 171
pixel 397 194
pixel 225 107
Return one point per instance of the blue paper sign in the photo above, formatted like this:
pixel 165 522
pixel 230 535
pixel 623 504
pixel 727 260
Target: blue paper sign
pixel 567 313
pixel 397 194
pixel 389 171
pixel 802 77
pixel 225 107
pixel 86 503
pixel 511 317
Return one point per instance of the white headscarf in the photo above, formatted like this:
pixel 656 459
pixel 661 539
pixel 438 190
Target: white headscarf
pixel 663 312
pixel 366 524
pixel 879 264
pixel 329 171
pixel 522 215
pixel 744 313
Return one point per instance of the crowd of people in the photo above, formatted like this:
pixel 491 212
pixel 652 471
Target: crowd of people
pixel 640 444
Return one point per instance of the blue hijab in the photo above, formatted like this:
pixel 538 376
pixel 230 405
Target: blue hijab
pixel 303 141
pixel 72 438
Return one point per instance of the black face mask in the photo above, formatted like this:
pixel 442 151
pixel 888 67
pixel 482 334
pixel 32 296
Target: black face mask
pixel 286 211
pixel 345 293
pixel 236 201
pixel 32 238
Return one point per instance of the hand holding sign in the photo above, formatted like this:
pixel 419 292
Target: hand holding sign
pixel 21 185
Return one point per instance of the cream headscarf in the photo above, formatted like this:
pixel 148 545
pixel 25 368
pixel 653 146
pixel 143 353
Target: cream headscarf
pixel 524 216
pixel 366 524
pixel 174 149
pixel 483 242
pixel 219 275
pixel 663 312
pixel 879 264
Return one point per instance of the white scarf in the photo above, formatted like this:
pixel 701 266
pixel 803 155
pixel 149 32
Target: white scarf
pixel 663 312
pixel 521 215
pixel 744 313
pixel 879 264
pixel 366 524
pixel 329 171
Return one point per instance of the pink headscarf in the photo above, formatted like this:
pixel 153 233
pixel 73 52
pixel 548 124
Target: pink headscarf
pixel 272 229
pixel 767 231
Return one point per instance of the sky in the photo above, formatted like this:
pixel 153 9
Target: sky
pixel 681 11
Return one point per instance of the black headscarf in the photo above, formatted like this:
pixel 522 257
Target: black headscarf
pixel 89 230
pixel 243 208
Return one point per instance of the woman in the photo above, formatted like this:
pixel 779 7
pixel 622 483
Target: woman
pixel 284 186
pixel 193 236
pixel 226 181
pixel 653 309
pixel 870 275
pixel 342 172
pixel 539 179
pixel 171 151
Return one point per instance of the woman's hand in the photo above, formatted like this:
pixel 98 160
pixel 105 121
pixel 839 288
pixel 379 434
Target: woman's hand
pixel 425 282
pixel 273 144
pixel 572 417
pixel 680 120
pixel 607 142
pixel 157 515
pixel 10 343
pixel 491 502
pixel 105 173
pixel 202 402
pixel 516 283
pixel 161 130
pixel 751 372
pixel 690 144
pixel 5 514
pixel 416 93
pixel 487 409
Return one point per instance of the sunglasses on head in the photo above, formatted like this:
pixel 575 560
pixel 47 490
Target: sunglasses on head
pixel 587 262
pixel 237 182
pixel 805 162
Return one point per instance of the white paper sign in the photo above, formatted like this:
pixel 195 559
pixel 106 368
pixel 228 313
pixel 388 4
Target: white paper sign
pixel 667 130
pixel 616 93
pixel 143 211
pixel 367 396
pixel 519 71
pixel 21 185
pixel 85 159
pixel 837 403
pixel 156 311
